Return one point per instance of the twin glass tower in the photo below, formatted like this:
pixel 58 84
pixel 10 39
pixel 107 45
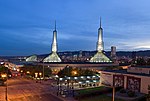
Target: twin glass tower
pixel 98 57
pixel 53 57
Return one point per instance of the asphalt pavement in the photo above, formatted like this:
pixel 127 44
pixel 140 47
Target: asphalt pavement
pixel 21 89
pixel 42 97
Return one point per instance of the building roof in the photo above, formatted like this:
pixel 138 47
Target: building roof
pixel 53 57
pixel 142 66
pixel 100 57
pixel 125 72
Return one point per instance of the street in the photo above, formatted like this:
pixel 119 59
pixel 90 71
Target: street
pixel 21 89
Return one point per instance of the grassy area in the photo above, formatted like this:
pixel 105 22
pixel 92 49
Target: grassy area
pixel 99 98
pixel 88 90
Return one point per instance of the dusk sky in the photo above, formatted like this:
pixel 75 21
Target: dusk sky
pixel 26 26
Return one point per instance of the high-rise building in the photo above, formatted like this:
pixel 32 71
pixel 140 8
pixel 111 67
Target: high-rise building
pixel 53 57
pixel 100 56
pixel 113 51
pixel 113 54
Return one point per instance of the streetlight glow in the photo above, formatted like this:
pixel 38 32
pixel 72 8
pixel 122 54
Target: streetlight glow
pixel 36 75
pixel 74 72
pixel 3 75
pixel 28 72
pixel 40 73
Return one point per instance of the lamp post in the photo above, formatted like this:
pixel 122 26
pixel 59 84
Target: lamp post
pixel 3 77
pixel 28 72
pixel 21 73
pixel 36 75
pixel 68 80
pixel 40 76
pixel 6 85
pixel 113 94
pixel 43 72
pixel 58 85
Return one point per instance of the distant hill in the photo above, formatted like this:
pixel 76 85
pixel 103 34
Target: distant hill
pixel 138 53
pixel 90 53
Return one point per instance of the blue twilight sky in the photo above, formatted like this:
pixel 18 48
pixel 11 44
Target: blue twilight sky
pixel 26 26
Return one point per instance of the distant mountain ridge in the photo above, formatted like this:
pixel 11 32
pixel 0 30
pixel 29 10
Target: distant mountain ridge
pixel 138 53
pixel 91 53
pixel 119 53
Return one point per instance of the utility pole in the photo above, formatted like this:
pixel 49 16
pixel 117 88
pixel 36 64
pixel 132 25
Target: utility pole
pixel 6 85
pixel 113 95
pixel 43 72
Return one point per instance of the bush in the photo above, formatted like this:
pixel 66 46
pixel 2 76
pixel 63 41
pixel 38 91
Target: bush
pixel 79 94
pixel 122 91
pixel 131 93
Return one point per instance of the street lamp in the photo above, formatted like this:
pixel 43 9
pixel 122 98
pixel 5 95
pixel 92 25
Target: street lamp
pixel 68 79
pixel 21 73
pixel 43 71
pixel 28 72
pixel 3 75
pixel 36 75
pixel 40 76
pixel 74 72
pixel 58 86
pixel 6 75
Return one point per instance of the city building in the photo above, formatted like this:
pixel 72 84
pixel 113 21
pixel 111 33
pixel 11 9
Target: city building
pixel 134 78
pixel 113 51
pixel 100 56
pixel 113 54
pixel 53 57
pixel 56 67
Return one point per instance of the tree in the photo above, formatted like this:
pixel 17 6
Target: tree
pixel 141 62
pixel 148 61
pixel 4 70
pixel 70 71
pixel 36 69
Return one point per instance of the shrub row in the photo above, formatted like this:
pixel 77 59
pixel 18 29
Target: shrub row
pixel 91 92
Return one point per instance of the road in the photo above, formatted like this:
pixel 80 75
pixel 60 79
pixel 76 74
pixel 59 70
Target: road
pixel 21 89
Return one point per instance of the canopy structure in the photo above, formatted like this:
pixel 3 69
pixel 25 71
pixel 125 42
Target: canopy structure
pixel 100 56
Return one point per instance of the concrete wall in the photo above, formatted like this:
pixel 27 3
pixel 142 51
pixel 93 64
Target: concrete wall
pixel 145 81
pixel 106 78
